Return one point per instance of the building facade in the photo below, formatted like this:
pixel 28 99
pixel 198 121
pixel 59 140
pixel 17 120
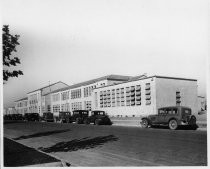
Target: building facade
pixel 144 96
pixel 21 106
pixel 79 96
pixel 39 101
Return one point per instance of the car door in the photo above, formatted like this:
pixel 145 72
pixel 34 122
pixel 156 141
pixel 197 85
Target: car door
pixel 161 116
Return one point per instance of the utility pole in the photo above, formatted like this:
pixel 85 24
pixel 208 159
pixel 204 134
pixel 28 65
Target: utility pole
pixel 49 99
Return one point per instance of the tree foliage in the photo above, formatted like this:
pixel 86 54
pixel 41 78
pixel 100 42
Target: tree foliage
pixel 9 45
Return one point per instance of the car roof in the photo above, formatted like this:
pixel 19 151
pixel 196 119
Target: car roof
pixel 80 110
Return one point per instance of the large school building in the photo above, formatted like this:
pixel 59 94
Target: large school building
pixel 117 95
pixel 144 96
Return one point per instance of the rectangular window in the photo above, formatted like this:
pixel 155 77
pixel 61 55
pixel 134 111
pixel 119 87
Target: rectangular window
pixel 105 99
pixel 101 99
pixel 118 97
pixel 108 98
pixel 132 96
pixel 122 97
pixel 178 98
pixel 113 97
pixel 148 94
pixel 127 96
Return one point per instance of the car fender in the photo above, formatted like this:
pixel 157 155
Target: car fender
pixel 146 118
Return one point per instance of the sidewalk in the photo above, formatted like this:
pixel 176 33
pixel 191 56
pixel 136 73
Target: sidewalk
pixel 16 155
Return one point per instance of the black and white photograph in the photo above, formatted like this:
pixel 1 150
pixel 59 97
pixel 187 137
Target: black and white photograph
pixel 104 83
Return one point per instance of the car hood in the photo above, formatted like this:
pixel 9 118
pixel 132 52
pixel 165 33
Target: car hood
pixel 149 116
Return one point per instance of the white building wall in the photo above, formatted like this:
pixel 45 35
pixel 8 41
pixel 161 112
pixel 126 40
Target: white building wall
pixel 163 93
pixel 34 102
pixel 137 110
pixel 166 93
pixel 21 106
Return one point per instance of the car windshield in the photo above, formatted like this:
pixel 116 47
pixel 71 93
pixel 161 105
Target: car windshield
pixel 76 112
pixel 98 113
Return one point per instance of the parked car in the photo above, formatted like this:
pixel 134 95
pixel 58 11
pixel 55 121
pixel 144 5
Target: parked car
pixel 16 117
pixel 31 117
pixel 98 117
pixel 64 117
pixel 79 116
pixel 48 117
pixel 173 117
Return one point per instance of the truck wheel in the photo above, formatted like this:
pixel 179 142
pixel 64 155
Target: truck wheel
pixel 144 123
pixel 173 124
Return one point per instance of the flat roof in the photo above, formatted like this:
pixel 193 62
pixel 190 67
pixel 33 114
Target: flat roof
pixel 25 98
pixel 163 77
pixel 47 86
pixel 108 77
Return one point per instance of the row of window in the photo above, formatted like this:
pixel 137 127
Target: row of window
pixel 76 106
pixel 148 94
pixel 65 107
pixel 34 109
pixel 65 95
pixel 178 98
pixel 128 96
pixel 22 104
pixel 56 108
pixel 33 101
pixel 87 105
pixel 76 93
pixel 88 90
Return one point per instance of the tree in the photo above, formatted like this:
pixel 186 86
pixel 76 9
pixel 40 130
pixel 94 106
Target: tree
pixel 9 45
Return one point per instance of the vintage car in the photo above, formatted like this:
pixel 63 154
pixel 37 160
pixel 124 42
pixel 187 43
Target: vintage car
pixel 173 117
pixel 64 117
pixel 48 117
pixel 79 116
pixel 98 117
pixel 31 117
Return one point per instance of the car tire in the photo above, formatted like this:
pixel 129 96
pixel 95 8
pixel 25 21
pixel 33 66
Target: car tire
pixel 145 123
pixel 173 124
pixel 78 120
pixel 97 121
pixel 86 121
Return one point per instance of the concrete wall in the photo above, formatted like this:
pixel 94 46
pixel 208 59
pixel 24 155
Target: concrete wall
pixel 166 93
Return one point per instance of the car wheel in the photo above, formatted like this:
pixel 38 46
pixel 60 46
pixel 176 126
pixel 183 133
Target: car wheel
pixel 173 124
pixel 86 121
pixel 77 121
pixel 97 122
pixel 145 123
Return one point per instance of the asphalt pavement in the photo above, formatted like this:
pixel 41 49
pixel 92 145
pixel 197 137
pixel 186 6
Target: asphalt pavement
pixel 89 145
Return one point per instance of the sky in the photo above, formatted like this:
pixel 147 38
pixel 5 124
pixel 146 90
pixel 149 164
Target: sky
pixel 78 40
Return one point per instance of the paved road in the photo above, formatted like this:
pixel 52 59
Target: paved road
pixel 89 145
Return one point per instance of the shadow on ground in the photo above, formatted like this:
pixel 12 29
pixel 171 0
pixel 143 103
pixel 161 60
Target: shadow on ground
pixel 78 144
pixel 40 134
pixel 179 128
